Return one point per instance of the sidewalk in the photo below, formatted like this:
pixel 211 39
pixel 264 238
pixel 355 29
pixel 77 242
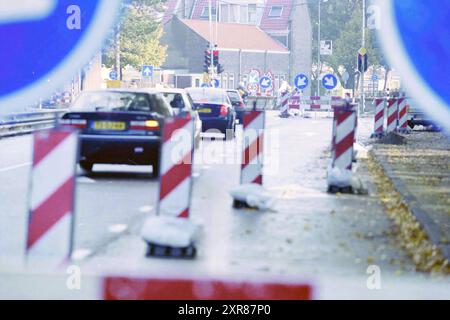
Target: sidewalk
pixel 420 171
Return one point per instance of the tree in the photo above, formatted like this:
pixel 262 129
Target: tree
pixel 341 22
pixel 136 41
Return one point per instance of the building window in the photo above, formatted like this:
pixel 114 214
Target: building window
pixel 252 15
pixel 205 12
pixel 275 11
pixel 224 13
pixel 231 81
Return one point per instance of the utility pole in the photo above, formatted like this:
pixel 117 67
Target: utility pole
pixel 117 53
pixel 211 40
pixel 363 95
pixel 318 51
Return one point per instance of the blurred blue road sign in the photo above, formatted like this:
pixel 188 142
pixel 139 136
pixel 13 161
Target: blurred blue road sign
pixel 216 83
pixel 147 71
pixel 374 77
pixel 415 37
pixel 301 81
pixel 47 43
pixel 205 85
pixel 265 82
pixel 329 81
pixel 113 75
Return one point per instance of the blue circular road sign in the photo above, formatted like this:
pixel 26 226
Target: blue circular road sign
pixel 47 42
pixel 205 85
pixel 329 81
pixel 301 81
pixel 113 75
pixel 265 82
pixel 216 83
pixel 415 36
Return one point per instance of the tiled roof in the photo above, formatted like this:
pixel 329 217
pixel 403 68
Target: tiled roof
pixel 200 4
pixel 279 23
pixel 171 5
pixel 236 36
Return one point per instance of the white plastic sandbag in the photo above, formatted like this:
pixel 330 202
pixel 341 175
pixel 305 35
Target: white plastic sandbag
pixel 169 231
pixel 254 195
pixel 344 178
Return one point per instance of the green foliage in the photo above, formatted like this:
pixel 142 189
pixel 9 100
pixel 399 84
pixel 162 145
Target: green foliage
pixel 341 22
pixel 140 31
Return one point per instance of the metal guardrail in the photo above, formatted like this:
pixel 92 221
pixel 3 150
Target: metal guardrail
pixel 28 122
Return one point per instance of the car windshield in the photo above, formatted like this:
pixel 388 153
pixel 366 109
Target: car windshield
pixel 113 101
pixel 234 96
pixel 208 96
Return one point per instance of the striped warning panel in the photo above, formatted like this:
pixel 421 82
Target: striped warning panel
pixel 128 288
pixel 51 198
pixel 402 115
pixel 176 168
pixel 345 126
pixel 392 115
pixel 252 154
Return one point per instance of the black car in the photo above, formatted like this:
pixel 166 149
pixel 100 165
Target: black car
pixel 119 127
pixel 238 104
pixel 215 110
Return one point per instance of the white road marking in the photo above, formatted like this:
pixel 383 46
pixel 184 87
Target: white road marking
pixel 17 166
pixel 81 254
pixel 117 228
pixel 310 134
pixel 145 209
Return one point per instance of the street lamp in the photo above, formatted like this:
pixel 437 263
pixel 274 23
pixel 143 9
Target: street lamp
pixel 319 69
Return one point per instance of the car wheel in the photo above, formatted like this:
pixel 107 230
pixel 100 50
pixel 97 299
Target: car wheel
pixel 155 167
pixel 86 166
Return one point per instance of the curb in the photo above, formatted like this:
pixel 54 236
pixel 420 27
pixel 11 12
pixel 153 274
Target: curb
pixel 429 226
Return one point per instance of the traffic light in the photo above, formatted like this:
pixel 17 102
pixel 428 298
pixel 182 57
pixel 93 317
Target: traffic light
pixel 207 64
pixel 216 58
pixel 220 69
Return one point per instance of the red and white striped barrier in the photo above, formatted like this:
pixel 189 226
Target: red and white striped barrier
pixel 294 102
pixel 345 119
pixel 253 144
pixel 284 104
pixel 127 288
pixel 392 115
pixel 51 199
pixel 171 233
pixel 380 105
pixel 176 168
pixel 403 116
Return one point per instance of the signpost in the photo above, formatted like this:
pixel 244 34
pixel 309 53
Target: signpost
pixel 147 71
pixel 113 75
pixel 57 39
pixel 301 82
pixel 326 47
pixel 418 52
pixel 329 82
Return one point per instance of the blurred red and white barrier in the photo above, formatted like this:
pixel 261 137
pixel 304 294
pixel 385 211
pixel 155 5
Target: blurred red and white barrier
pixel 392 115
pixel 176 168
pixel 51 199
pixel 345 122
pixel 378 131
pixel 127 288
pixel 294 102
pixel 253 144
pixel 284 104
pixel 403 116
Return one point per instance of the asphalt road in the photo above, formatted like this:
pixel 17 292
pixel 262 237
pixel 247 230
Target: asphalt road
pixel 309 232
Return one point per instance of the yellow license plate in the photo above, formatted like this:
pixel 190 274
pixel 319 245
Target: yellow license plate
pixel 204 110
pixel 109 125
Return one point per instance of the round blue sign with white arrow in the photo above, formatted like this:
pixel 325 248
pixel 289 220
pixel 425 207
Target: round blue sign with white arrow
pixel 265 82
pixel 301 81
pixel 113 75
pixel 415 36
pixel 329 81
pixel 47 42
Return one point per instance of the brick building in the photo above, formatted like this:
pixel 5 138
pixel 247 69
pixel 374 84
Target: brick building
pixel 284 26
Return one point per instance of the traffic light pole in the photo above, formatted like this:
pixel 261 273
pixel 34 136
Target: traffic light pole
pixel 363 94
pixel 211 70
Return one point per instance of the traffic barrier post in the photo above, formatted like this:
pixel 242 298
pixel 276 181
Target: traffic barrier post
pixel 51 199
